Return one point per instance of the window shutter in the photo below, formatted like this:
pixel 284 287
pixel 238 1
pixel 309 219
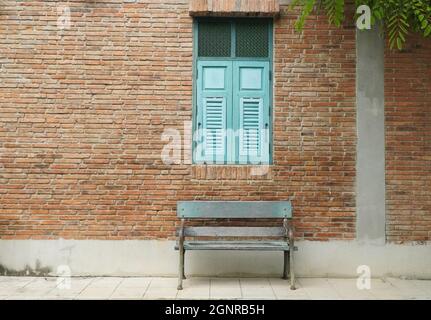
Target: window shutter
pixel 251 84
pixel 250 124
pixel 214 95
pixel 214 124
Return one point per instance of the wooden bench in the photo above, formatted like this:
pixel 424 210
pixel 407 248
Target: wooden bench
pixel 214 237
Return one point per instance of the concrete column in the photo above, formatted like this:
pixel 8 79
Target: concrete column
pixel 370 163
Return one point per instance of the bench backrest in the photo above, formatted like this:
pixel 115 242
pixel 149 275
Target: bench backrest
pixel 234 209
pixel 246 232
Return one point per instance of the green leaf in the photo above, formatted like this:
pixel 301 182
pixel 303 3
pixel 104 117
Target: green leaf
pixel 399 44
pixel 400 17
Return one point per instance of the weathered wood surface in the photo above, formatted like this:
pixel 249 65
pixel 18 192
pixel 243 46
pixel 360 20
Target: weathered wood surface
pixel 234 209
pixel 262 8
pixel 236 245
pixel 234 232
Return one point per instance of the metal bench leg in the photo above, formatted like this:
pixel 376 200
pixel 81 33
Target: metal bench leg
pixel 182 251
pixel 181 270
pixel 291 236
pixel 184 258
pixel 292 273
pixel 286 266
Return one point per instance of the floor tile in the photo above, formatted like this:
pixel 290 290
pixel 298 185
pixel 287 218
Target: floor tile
pixel 195 288
pixel 100 288
pixel 225 289
pixel 160 294
pixel 347 289
pixel 131 288
pixel 282 290
pixel 35 288
pixel 68 289
pixel 410 289
pixel 164 282
pixel 318 289
pixel 256 289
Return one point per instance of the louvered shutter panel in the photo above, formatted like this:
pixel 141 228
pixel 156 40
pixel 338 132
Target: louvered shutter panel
pixel 251 111
pixel 250 123
pixel 214 96
pixel 214 125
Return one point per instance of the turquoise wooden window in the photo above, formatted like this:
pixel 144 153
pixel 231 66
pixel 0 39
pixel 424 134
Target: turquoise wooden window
pixel 232 91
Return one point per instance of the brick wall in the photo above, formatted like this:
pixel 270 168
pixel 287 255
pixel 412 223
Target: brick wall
pixel 408 142
pixel 83 110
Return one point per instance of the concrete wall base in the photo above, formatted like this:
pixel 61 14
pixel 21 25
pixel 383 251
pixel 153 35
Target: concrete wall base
pixel 158 258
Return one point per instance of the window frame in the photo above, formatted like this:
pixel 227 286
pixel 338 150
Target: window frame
pixel 196 59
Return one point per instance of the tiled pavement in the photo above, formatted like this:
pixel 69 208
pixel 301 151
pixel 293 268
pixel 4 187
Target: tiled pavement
pixel 208 288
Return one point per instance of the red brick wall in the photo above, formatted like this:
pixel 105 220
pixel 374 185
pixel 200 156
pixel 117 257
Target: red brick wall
pixel 408 142
pixel 83 111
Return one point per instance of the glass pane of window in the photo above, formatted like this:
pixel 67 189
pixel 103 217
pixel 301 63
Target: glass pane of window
pixel 252 39
pixel 214 39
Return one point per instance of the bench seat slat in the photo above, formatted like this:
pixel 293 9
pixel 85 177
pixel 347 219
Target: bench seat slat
pixel 236 245
pixel 234 209
pixel 234 232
